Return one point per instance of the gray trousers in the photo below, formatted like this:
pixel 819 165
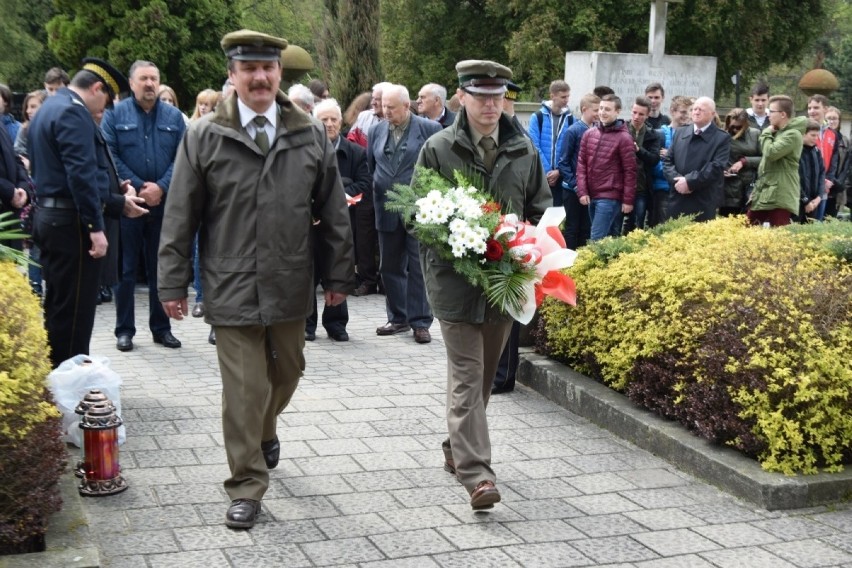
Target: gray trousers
pixel 473 352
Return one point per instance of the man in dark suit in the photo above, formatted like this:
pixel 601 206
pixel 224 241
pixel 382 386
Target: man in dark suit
pixel 352 164
pixel 432 103
pixel 695 164
pixel 71 167
pixel 392 149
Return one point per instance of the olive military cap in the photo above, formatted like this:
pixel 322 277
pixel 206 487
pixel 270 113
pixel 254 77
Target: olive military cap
pixel 248 45
pixel 512 91
pixel 114 80
pixel 486 77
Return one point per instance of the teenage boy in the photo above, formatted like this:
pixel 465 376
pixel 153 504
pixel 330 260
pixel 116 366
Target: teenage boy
pixel 759 98
pixel 577 224
pixel 828 145
pixel 656 95
pixel 811 174
pixel 606 171
pixel 547 132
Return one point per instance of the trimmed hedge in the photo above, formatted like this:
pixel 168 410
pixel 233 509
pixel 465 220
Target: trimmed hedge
pixel 32 455
pixel 742 334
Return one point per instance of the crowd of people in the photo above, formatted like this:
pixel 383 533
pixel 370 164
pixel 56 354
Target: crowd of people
pixel 259 197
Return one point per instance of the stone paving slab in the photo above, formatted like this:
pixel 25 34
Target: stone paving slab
pixel 360 482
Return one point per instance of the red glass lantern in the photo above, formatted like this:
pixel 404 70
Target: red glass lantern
pixel 100 468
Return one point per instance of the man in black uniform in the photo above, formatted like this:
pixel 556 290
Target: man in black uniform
pixel 76 186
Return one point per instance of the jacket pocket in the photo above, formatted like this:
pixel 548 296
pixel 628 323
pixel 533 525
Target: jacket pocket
pixel 167 129
pixel 765 195
pixel 127 135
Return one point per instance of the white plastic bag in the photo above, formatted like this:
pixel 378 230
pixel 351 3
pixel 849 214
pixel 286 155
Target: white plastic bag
pixel 70 382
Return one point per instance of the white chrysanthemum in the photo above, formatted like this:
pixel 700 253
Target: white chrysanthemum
pixel 458 250
pixel 441 216
pixel 456 225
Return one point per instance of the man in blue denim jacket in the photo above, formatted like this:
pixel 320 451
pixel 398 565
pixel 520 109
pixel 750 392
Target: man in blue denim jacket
pixel 143 136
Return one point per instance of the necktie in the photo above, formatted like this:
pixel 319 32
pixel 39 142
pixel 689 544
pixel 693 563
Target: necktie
pixel 260 136
pixel 698 133
pixel 490 148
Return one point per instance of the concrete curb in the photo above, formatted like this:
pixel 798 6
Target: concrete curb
pixel 723 467
pixel 69 542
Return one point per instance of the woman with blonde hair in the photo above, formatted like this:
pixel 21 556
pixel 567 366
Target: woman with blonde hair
pixel 32 102
pixel 168 96
pixel 205 102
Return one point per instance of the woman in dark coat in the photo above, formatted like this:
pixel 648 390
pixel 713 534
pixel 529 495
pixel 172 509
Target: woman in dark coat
pixel 744 161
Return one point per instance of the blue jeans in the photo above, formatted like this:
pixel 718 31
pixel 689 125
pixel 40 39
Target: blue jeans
pixel 636 218
pixel 139 237
pixel 605 215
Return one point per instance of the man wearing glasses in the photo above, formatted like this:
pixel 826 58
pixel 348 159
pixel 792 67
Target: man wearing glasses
pixel 483 140
pixel 695 164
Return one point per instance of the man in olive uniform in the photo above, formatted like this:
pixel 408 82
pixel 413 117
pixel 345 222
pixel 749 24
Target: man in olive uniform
pixel 252 180
pixel 486 141
pixel 75 187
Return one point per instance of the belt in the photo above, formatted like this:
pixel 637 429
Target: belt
pixel 56 203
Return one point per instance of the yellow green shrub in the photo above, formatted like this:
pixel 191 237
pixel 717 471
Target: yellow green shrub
pixel 741 333
pixel 32 455
pixel 24 363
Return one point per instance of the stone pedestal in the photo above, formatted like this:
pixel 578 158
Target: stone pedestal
pixel 629 73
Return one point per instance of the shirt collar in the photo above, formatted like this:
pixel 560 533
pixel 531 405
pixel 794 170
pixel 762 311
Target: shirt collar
pixel 476 136
pixel 247 114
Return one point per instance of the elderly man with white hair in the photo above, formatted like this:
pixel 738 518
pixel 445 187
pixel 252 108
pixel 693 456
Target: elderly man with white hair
pixel 695 164
pixel 302 96
pixel 432 103
pixel 352 165
pixel 368 118
pixel 392 152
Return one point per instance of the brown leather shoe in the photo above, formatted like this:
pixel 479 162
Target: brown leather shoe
pixel 391 328
pixel 422 335
pixel 242 513
pixel 484 496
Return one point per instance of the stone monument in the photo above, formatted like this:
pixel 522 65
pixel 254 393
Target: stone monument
pixel 629 73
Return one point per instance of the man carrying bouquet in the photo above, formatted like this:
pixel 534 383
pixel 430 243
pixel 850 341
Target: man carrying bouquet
pixel 483 143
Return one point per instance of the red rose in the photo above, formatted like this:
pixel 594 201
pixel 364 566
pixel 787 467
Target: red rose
pixel 491 207
pixel 493 250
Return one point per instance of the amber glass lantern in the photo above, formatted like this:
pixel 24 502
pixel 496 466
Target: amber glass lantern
pixel 100 468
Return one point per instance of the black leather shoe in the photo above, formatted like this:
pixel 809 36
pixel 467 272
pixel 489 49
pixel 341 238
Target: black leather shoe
pixel 500 389
pixel 124 343
pixel 364 290
pixel 310 336
pixel 106 294
pixel 391 328
pixel 271 452
pixel 338 335
pixel 211 339
pixel 242 513
pixel 167 340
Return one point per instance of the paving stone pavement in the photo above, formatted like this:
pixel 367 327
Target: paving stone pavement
pixel 361 483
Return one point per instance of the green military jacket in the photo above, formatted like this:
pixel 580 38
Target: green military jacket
pixel 255 216
pixel 517 182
